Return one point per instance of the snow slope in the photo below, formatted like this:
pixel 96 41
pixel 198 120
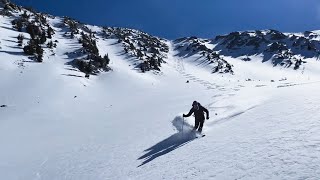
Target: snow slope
pixel 124 124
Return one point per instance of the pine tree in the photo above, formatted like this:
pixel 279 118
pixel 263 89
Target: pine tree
pixel 39 51
pixel 72 35
pixel 106 57
pixel 50 32
pixel 30 49
pixel 50 44
pixel 30 30
pixel 20 39
pixel 139 53
pixel 25 15
pixel 43 38
pixel 18 24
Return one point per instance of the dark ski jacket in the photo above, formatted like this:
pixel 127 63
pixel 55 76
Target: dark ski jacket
pixel 198 113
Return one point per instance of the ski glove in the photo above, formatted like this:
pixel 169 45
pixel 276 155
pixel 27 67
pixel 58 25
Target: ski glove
pixel 207 117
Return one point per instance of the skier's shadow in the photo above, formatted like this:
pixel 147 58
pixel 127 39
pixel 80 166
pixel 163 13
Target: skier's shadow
pixel 181 138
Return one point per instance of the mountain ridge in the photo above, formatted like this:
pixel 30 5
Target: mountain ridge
pixel 289 50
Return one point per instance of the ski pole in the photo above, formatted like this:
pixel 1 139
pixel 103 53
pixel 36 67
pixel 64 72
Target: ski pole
pixel 182 123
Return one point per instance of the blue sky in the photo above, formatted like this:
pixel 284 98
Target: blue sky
pixel 178 18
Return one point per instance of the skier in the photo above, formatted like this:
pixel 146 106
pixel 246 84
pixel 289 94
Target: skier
pixel 198 111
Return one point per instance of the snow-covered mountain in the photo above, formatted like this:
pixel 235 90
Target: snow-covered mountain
pixel 281 49
pixel 80 101
pixel 291 50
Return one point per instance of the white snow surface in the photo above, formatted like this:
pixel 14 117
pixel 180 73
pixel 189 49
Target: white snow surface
pixel 124 124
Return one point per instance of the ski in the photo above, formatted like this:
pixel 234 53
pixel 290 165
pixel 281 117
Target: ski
pixel 200 136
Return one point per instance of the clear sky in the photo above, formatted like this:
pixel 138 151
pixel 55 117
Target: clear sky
pixel 178 18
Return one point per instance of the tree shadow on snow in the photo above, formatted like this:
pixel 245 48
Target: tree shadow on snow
pixel 8 28
pixel 8 40
pixel 12 53
pixel 175 141
pixel 72 75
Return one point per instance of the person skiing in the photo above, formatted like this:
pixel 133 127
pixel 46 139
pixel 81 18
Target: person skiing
pixel 198 111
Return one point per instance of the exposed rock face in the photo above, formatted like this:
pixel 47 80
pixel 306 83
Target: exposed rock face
pixel 285 49
pixel 280 48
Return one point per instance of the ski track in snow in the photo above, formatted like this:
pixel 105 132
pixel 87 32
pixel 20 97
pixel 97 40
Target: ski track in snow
pixel 220 92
